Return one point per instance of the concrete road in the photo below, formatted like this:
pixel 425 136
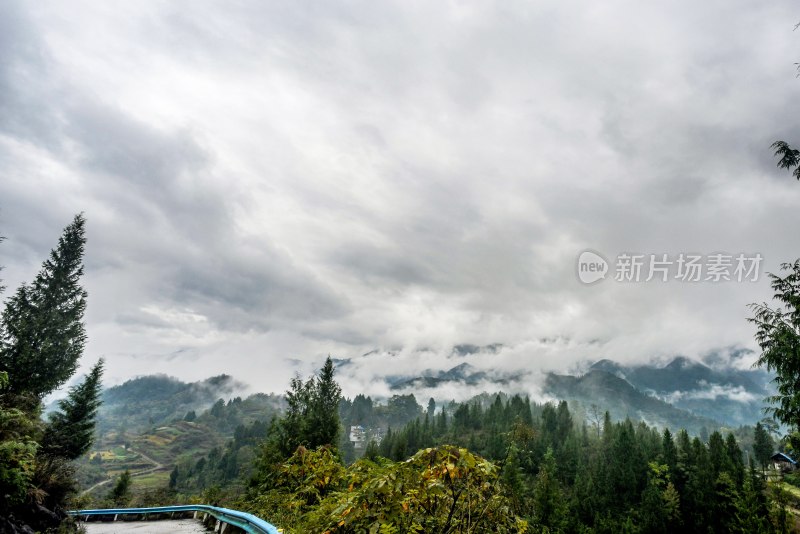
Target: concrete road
pixel 178 526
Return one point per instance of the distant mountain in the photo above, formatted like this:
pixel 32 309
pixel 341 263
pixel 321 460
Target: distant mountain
pixel 683 392
pixel 156 399
pixel 463 373
pixel 603 389
pixel 730 395
pixel 606 391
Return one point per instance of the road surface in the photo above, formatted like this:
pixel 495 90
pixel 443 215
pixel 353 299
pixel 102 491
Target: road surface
pixel 178 526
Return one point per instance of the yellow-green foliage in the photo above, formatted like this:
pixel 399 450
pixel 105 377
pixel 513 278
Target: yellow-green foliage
pixel 443 489
pixel 17 451
pixel 17 455
pixel 296 486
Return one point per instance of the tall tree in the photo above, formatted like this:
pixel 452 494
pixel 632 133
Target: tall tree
pixel 312 415
pixel 323 418
pixel 762 445
pixel 549 505
pixel 778 335
pixel 70 432
pixel 121 492
pixel 431 407
pixel 42 324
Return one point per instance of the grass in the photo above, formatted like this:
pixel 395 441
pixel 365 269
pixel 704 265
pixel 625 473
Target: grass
pixel 154 480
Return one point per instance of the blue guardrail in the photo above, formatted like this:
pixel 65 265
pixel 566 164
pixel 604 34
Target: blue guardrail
pixel 247 522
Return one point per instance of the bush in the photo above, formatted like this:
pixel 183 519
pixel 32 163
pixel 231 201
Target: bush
pixel 443 489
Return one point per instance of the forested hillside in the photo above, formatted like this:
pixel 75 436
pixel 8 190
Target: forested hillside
pixel 534 467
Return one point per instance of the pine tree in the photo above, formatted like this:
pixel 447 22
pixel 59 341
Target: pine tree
pixel 735 461
pixel 385 448
pixel 290 429
pixel 441 423
pixel 371 452
pixel 549 506
pixel 322 425
pixel 778 335
pixel 751 515
pixel 717 454
pixel 655 515
pixel 431 407
pixel 121 491
pixel 762 445
pixel 511 476
pixel 70 432
pixel 173 478
pixel 42 324
pixel 669 451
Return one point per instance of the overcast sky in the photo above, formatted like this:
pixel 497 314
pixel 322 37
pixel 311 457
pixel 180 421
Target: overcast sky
pixel 270 182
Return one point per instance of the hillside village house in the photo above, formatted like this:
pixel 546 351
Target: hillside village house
pixel 783 462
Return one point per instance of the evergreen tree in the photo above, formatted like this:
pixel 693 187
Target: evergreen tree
pixel 371 452
pixel 717 454
pixel 778 335
pixel 734 461
pixel 42 323
pixel 441 423
pixel 751 513
pixel 312 415
pixel 322 425
pixel 660 509
pixel 512 478
pixel 549 505
pixel 173 478
pixel 669 451
pixel 121 492
pixel 70 432
pixel 762 445
pixel 385 447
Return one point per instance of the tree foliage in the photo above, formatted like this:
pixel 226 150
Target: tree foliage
pixel 563 475
pixel 70 432
pixel 524 466
pixel 42 323
pixel 762 445
pixel 312 416
pixel 778 335
pixel 789 157
pixel 121 492
pixel 41 340
pixel 17 452
pixel 441 489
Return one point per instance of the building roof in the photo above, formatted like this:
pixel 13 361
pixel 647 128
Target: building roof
pixel 781 457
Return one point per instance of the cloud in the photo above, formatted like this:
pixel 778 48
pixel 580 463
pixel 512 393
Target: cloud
pixel 267 182
pixel 714 392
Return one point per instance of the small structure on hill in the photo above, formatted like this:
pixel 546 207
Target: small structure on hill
pixel 358 436
pixel 783 462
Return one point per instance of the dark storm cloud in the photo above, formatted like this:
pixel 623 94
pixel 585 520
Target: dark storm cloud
pixel 167 208
pixel 274 180
pixel 25 109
